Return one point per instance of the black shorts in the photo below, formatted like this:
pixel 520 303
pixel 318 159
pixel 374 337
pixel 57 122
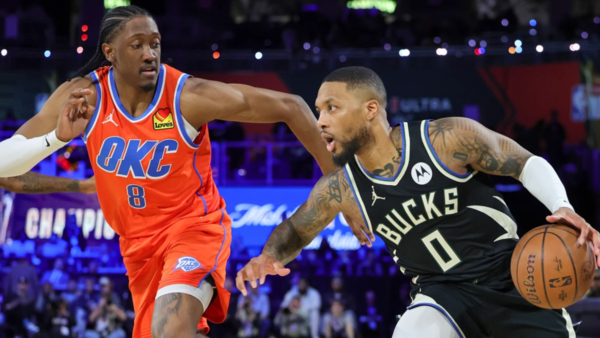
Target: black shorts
pixel 478 311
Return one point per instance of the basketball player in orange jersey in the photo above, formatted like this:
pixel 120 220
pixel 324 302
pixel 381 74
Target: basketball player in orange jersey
pixel 145 127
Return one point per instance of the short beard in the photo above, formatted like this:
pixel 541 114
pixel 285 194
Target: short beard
pixel 351 147
pixel 148 88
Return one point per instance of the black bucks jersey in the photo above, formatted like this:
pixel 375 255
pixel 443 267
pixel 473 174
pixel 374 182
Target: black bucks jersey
pixel 437 225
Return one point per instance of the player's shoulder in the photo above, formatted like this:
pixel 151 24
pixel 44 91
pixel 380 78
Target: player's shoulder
pixel 453 123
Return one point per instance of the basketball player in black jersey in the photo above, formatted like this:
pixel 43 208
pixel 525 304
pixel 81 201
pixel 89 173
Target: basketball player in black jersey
pixel 423 188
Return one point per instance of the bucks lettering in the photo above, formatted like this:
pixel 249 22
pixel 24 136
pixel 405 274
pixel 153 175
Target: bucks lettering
pixel 401 221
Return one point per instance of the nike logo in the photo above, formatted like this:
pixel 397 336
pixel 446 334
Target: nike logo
pixel 46 139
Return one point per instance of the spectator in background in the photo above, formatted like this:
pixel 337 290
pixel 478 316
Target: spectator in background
pixel 595 288
pixel 310 303
pixel 57 277
pixel 54 247
pixel 16 272
pixel 57 321
pixel 84 305
pixel 292 320
pixel 370 266
pixel 247 317
pixel 108 316
pixel 261 306
pixel 72 292
pixel 371 322
pixel 19 310
pixel 338 293
pixel 344 264
pixel 555 139
pixel 47 297
pixel 338 323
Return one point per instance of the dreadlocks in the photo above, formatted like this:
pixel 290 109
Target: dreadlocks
pixel 111 25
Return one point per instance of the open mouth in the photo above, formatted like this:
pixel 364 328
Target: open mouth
pixel 148 71
pixel 329 140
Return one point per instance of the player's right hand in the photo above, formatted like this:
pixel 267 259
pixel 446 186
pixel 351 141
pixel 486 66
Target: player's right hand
pixel 360 231
pixel 258 268
pixel 74 115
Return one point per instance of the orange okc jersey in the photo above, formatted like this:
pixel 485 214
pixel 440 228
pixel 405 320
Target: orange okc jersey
pixel 150 171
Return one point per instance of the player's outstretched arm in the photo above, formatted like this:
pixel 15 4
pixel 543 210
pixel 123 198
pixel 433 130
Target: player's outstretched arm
pixel 62 118
pixel 462 142
pixel 242 103
pixel 330 196
pixel 34 183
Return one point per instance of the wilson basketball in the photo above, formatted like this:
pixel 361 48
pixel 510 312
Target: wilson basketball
pixel 549 269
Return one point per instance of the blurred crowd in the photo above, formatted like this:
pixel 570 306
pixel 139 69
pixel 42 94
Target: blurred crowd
pixel 342 294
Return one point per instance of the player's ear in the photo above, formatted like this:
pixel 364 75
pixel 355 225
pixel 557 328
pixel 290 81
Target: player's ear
pixel 372 108
pixel 109 52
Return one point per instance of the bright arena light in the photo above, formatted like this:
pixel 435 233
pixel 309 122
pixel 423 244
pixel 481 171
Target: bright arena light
pixel 511 50
pixel 504 22
pixel 584 35
pixel 258 55
pixel 472 43
pixel 519 50
pixel 596 20
pixel 404 52
pixel 47 53
pixel 387 46
pixel 482 43
pixel 4 52
pixel 79 50
pixel 532 32
pixel 306 46
pixel 518 43
pixel 574 47
pixel 437 39
pixel 539 48
pixel 441 51
pixel 532 22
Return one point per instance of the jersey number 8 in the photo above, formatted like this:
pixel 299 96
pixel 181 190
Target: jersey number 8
pixel 137 199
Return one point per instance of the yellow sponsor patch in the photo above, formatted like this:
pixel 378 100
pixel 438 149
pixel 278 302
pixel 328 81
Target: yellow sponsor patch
pixel 163 119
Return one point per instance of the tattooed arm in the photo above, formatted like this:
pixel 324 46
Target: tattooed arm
pixel 34 183
pixel 330 196
pixel 460 142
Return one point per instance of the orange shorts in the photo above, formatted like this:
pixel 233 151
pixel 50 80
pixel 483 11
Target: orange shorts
pixel 192 249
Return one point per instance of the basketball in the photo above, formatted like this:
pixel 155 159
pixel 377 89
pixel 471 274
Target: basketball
pixel 550 269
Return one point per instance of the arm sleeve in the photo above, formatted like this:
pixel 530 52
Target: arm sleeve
pixel 18 154
pixel 541 180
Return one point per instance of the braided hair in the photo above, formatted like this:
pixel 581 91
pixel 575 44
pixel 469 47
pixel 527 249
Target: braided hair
pixel 111 25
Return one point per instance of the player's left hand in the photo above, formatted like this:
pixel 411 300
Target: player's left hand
pixel 568 216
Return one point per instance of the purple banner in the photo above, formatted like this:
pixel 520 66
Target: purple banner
pixel 37 217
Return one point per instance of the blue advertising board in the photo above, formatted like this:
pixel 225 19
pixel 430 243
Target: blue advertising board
pixel 254 211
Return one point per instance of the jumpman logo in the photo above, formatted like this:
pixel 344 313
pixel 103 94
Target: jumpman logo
pixel 375 197
pixel 110 119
